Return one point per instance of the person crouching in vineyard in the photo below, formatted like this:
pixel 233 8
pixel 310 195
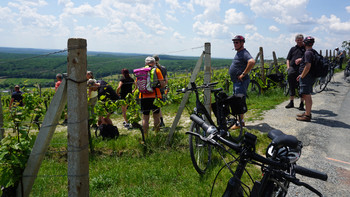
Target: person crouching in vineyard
pixel 241 65
pixel 147 100
pixel 124 88
pixel 106 95
pixel 92 94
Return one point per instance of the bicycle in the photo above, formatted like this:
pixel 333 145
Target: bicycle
pixel 279 168
pixel 322 82
pixel 256 84
pixel 201 152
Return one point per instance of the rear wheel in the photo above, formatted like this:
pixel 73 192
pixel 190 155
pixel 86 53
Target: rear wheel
pixel 319 85
pixel 286 88
pixel 253 88
pixel 200 151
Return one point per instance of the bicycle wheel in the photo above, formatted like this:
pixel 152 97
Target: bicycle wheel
pixel 319 85
pixel 275 190
pixel 200 151
pixel 237 134
pixel 254 88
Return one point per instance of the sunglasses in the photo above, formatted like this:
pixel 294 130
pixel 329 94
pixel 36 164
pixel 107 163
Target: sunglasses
pixel 236 42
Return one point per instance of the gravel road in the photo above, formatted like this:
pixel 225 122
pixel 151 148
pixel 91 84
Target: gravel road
pixel 326 138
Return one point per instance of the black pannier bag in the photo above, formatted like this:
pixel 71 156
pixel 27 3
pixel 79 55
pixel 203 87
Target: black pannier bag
pixel 222 103
pixel 237 103
pixel 109 131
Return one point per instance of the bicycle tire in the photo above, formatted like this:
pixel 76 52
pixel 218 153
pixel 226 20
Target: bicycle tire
pixel 254 88
pixel 275 190
pixel 200 151
pixel 320 85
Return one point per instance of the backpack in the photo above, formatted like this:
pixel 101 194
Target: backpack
pixel 320 65
pixel 109 131
pixel 146 79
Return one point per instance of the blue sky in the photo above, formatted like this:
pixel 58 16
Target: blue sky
pixel 175 27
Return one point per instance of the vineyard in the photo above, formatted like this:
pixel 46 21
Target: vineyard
pixel 137 168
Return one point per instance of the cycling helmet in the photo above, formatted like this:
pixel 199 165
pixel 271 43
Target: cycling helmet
pixel 309 40
pixel 239 37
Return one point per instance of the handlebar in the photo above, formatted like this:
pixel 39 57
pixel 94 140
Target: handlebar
pixel 214 136
pixel 195 87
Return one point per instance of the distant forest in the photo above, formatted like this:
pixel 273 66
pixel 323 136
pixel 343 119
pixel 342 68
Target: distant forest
pixel 45 64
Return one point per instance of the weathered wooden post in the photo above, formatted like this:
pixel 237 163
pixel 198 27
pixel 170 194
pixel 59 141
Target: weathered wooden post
pixel 275 62
pixel 326 53
pixel 78 143
pixel 207 76
pixel 2 130
pixel 262 70
pixel 320 52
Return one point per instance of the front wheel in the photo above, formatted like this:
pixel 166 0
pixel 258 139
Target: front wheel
pixel 320 84
pixel 253 88
pixel 200 151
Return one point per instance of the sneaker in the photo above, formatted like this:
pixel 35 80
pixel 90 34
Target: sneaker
pixel 301 106
pixel 290 105
pixel 124 123
pixel 305 118
pixel 303 114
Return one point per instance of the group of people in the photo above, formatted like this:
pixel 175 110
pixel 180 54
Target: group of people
pixel 99 89
pixel 299 61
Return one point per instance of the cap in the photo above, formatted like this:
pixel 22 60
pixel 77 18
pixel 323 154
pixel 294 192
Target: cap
pixel 149 60
pixel 91 82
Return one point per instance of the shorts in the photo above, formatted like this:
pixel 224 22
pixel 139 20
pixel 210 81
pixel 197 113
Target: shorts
pixel 240 87
pixel 306 84
pixel 147 106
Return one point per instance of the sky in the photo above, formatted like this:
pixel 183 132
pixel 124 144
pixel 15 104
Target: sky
pixel 174 27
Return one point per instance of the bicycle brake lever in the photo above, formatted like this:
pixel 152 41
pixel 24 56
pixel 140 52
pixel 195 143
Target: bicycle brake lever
pixel 299 183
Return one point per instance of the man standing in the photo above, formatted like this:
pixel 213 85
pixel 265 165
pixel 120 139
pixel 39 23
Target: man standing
pixel 16 97
pixel 147 100
pixel 59 81
pixel 341 56
pixel 162 90
pixel 306 79
pixel 241 65
pixel 293 60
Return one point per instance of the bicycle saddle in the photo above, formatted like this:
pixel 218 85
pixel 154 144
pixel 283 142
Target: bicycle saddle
pixel 279 139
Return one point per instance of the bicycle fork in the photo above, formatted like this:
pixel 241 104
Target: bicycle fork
pixel 234 188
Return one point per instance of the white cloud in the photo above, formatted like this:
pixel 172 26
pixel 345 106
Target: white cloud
pixel 171 17
pixel 287 12
pixel 234 18
pixel 210 29
pixel 250 28
pixel 212 7
pixel 178 36
pixel 347 9
pixel 273 28
pixel 334 25
pixel 244 2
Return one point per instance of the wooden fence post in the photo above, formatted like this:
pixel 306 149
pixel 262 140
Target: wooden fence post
pixel 207 76
pixel 275 62
pixel 2 130
pixel 78 143
pixel 326 53
pixel 262 70
pixel 43 139
pixel 185 99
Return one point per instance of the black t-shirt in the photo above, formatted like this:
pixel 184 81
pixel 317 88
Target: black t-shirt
pixel 17 97
pixel 106 90
pixel 126 87
pixel 295 53
pixel 307 58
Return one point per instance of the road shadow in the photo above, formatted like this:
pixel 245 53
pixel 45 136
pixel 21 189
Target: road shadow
pixel 324 113
pixel 262 127
pixel 330 123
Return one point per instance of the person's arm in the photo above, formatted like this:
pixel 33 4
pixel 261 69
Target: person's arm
pixel 305 71
pixel 135 84
pixel 250 65
pixel 288 65
pixel 119 87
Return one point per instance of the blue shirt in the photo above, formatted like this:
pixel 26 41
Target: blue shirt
pixel 239 63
